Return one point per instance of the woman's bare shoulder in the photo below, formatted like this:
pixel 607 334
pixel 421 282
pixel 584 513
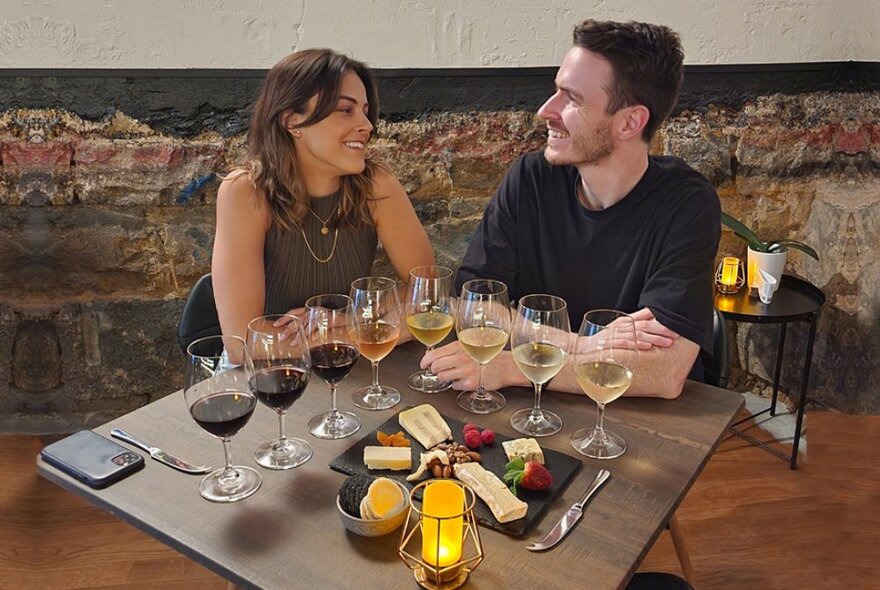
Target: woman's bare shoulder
pixel 239 196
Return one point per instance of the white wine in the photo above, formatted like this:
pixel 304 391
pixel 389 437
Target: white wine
pixel 482 343
pixel 604 382
pixel 539 361
pixel 376 339
pixel 430 328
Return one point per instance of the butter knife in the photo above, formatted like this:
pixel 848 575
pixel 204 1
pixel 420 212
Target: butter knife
pixel 160 455
pixel 571 517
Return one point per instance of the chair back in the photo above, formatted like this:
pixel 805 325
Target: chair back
pixel 716 367
pixel 199 317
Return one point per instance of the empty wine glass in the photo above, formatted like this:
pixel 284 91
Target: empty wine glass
pixel 429 317
pixel 539 340
pixel 281 374
pixel 605 356
pixel 375 326
pixel 482 325
pixel 218 397
pixel 334 355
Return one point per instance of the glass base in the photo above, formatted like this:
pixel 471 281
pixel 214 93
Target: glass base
pixel 333 426
pixel 243 483
pixel 380 398
pixel 293 454
pixel 598 444
pixel 543 424
pixel 427 382
pixel 481 403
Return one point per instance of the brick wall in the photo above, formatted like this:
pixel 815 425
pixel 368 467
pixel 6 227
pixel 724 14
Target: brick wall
pixel 106 222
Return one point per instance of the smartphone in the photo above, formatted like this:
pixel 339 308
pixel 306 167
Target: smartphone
pixel 92 459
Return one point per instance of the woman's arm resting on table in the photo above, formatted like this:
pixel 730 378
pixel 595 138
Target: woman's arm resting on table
pixel 239 280
pixel 400 231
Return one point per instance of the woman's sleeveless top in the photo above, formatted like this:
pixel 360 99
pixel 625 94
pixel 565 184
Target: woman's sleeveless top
pixel 292 273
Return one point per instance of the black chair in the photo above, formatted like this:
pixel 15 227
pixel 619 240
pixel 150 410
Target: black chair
pixel 657 581
pixel 716 367
pixel 199 317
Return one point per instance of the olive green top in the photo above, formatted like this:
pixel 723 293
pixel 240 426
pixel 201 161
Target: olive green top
pixel 292 273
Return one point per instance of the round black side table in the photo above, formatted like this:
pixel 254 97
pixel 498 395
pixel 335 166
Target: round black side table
pixel 796 300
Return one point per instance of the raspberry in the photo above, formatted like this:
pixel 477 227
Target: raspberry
pixel 469 426
pixel 487 437
pixel 472 439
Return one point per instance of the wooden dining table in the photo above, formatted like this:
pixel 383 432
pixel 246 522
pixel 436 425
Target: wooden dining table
pixel 289 534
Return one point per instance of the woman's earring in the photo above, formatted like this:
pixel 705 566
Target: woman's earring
pixel 297 134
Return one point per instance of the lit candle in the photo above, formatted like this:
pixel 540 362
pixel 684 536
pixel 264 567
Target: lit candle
pixel 729 271
pixel 442 539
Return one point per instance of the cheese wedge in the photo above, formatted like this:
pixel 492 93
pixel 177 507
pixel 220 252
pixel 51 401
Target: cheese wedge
pixel 527 448
pixel 425 424
pixel 501 501
pixel 393 458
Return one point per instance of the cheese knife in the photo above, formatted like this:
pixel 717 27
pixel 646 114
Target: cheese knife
pixel 160 455
pixel 571 517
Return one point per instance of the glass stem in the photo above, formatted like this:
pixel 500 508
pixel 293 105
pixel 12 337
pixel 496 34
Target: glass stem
pixel 229 470
pixel 375 387
pixel 333 411
pixel 481 393
pixel 536 411
pixel 600 418
pixel 282 438
pixel 428 374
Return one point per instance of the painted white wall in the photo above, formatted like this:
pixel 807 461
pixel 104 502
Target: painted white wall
pixel 416 33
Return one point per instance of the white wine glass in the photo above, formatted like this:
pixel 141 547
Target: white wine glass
pixel 281 375
pixel 429 316
pixel 334 355
pixel 375 327
pixel 219 399
pixel 539 339
pixel 605 357
pixel 482 325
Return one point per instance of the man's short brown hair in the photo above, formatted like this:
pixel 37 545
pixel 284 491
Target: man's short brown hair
pixel 647 61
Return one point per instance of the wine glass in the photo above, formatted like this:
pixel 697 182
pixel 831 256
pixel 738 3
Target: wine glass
pixel 605 359
pixel 281 374
pixel 218 398
pixel 539 340
pixel 375 327
pixel 334 355
pixel 429 317
pixel 482 325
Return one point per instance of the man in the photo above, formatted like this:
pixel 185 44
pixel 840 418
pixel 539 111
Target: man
pixel 596 220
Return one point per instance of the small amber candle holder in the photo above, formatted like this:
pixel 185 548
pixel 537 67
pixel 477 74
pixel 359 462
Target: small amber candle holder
pixel 729 276
pixel 441 544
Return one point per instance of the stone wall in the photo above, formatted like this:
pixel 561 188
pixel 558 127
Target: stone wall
pixel 104 225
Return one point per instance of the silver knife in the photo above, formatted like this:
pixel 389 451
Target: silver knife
pixel 160 455
pixel 571 517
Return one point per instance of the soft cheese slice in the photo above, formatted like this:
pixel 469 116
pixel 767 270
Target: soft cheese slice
pixel 503 504
pixel 425 424
pixel 527 448
pixel 393 458
pixel 424 459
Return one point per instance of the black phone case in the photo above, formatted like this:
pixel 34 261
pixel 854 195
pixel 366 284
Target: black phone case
pixel 92 459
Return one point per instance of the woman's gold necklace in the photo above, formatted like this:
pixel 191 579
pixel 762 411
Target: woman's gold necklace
pixel 324 231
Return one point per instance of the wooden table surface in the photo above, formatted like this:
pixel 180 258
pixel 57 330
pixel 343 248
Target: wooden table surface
pixel 288 535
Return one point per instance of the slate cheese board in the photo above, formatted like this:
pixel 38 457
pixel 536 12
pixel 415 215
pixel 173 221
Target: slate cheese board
pixel 563 468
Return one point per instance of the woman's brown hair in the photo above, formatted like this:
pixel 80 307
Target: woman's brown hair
pixel 272 159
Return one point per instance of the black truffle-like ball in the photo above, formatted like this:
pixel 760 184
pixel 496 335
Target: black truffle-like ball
pixel 353 490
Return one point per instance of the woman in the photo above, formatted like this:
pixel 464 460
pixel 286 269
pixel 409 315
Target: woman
pixel 303 216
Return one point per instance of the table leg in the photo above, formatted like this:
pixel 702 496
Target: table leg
pixel 802 402
pixel 780 347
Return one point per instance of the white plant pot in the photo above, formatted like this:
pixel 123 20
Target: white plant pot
pixel 773 263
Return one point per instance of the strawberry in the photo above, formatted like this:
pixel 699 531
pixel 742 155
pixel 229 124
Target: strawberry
pixel 532 475
pixel 536 477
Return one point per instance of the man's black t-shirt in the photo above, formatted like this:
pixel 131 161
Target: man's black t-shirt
pixel 654 248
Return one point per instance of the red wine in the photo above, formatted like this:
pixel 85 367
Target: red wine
pixel 279 387
pixel 223 414
pixel 333 362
